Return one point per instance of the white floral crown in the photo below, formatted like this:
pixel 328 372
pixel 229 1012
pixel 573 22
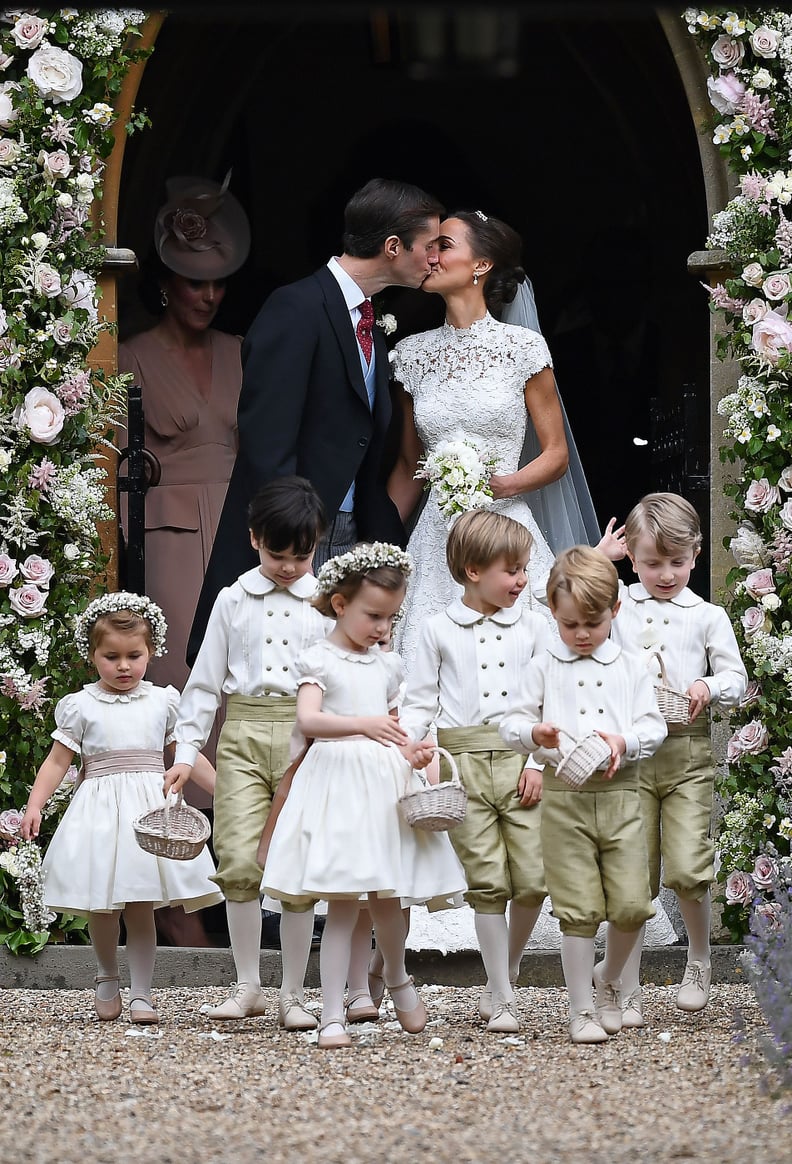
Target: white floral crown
pixel 367 556
pixel 110 604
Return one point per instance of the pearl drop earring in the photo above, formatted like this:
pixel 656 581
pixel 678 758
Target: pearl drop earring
pixel 475 278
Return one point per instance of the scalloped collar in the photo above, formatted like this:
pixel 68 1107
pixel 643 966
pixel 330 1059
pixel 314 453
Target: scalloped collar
pixel 368 656
pixel 102 696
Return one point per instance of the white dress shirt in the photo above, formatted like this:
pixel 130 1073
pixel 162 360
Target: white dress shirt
pixel 467 666
pixel 694 638
pixel 609 690
pixel 255 632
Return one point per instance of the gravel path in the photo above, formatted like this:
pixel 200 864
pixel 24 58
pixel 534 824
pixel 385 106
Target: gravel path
pixel 82 1091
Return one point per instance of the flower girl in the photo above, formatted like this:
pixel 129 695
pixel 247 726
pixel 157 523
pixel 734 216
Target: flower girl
pixel 120 725
pixel 340 835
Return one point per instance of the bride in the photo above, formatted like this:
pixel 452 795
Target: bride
pixel 491 384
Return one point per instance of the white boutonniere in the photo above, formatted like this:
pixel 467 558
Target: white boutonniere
pixel 387 323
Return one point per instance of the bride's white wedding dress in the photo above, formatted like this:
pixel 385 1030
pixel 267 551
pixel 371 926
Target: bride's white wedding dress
pixel 467 383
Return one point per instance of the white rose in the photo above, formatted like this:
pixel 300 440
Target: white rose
pixel 8 114
pixel 785 514
pixel 748 548
pixel 71 552
pixel 55 73
pixel 728 52
pixel 29 31
pixel 762 79
pixel 27 600
pixel 56 164
pixel 3 321
pixel 10 151
pixel 776 286
pixel 5 460
pixel 785 480
pixel 65 200
pixel 753 275
pixel 764 41
pixel 5 60
pixel 755 310
pixel 47 280
pixel 84 185
pixel 39 240
pixel 80 292
pixel 42 416
pixel 771 602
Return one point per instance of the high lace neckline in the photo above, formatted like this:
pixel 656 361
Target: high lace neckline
pixel 475 329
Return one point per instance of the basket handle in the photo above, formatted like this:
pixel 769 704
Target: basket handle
pixel 455 777
pixel 569 736
pixel 176 804
pixel 663 676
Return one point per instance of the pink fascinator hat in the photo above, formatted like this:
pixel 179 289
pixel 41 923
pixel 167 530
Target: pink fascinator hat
pixel 201 232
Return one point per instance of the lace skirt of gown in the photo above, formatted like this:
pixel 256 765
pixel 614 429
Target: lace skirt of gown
pixel 431 588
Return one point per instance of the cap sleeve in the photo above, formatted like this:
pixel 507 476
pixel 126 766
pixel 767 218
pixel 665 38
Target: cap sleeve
pixel 311 666
pixel 403 366
pixel 535 353
pixel 174 699
pixel 395 672
pixel 69 722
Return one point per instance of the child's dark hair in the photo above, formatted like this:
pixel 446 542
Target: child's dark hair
pixel 287 513
pixel 480 537
pixel 387 577
pixel 496 241
pixel 124 622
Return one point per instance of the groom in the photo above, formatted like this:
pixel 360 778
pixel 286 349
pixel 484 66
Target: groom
pixel 315 398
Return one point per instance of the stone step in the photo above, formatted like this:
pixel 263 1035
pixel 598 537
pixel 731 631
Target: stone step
pixel 73 967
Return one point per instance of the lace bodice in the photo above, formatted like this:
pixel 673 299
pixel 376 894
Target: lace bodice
pixel 470 383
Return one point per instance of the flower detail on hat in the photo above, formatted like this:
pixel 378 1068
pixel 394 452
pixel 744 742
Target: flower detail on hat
pixel 111 604
pixel 188 225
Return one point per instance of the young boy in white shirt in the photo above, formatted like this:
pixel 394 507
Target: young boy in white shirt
pixel 661 616
pixel 592 836
pixel 257 628
pixel 467 663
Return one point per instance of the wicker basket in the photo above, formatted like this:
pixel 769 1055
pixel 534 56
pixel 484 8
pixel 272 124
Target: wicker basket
pixel 177 830
pixel 436 807
pixel 674 705
pixel 583 759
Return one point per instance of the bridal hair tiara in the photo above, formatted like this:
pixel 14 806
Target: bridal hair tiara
pixel 367 556
pixel 111 604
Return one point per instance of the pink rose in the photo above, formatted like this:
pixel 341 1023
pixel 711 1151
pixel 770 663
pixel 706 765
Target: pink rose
pixel 753 275
pixel 764 872
pixel 28 601
pixel 740 889
pixel 61 332
pixel 761 496
pixel 752 737
pixel 42 415
pixel 80 292
pixel 726 92
pixel 10 151
pixel 727 52
pixel 759 583
pixel 770 913
pixel 56 164
pixel 10 820
pixel 777 286
pixel 8 570
pixel 47 280
pixel 28 32
pixel 764 41
pixel 754 621
pixel 37 570
pixel 771 337
pixel 754 311
pixel 753 693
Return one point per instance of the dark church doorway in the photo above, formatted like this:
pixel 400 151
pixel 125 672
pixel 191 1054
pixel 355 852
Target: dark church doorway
pixel 574 128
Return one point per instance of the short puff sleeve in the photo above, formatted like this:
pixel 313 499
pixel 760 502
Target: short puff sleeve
pixel 69 723
pixel 311 666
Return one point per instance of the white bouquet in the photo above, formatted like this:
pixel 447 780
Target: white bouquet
pixel 459 474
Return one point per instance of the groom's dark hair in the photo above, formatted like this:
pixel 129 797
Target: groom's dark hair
pixel 385 207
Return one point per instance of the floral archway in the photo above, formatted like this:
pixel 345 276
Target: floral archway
pixel 61 76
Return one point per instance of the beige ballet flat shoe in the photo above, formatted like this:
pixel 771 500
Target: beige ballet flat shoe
pixel 244 1001
pixel 107 1009
pixel 293 1016
pixel 360 1008
pixel 412 1021
pixel 142 1011
pixel 332 1042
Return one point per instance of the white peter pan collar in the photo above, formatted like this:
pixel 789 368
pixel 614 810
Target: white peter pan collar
pixel 102 696
pixel 638 593
pixel 605 653
pixel 254 582
pixel 464 615
pixel 368 656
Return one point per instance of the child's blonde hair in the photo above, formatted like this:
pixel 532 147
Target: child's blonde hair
pixel 668 520
pixel 479 537
pixel 125 622
pixel 588 577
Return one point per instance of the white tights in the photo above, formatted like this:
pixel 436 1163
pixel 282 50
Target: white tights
pixel 141 948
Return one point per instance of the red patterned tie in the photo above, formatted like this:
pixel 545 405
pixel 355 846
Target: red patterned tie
pixel 365 325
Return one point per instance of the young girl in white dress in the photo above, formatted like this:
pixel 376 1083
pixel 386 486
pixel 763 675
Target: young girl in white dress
pixel 120 725
pixel 340 835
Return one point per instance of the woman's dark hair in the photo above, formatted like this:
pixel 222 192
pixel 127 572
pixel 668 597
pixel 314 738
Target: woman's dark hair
pixel 497 242
pixel 287 513
pixel 384 207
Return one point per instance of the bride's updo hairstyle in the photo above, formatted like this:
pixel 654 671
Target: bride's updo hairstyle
pixel 496 242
